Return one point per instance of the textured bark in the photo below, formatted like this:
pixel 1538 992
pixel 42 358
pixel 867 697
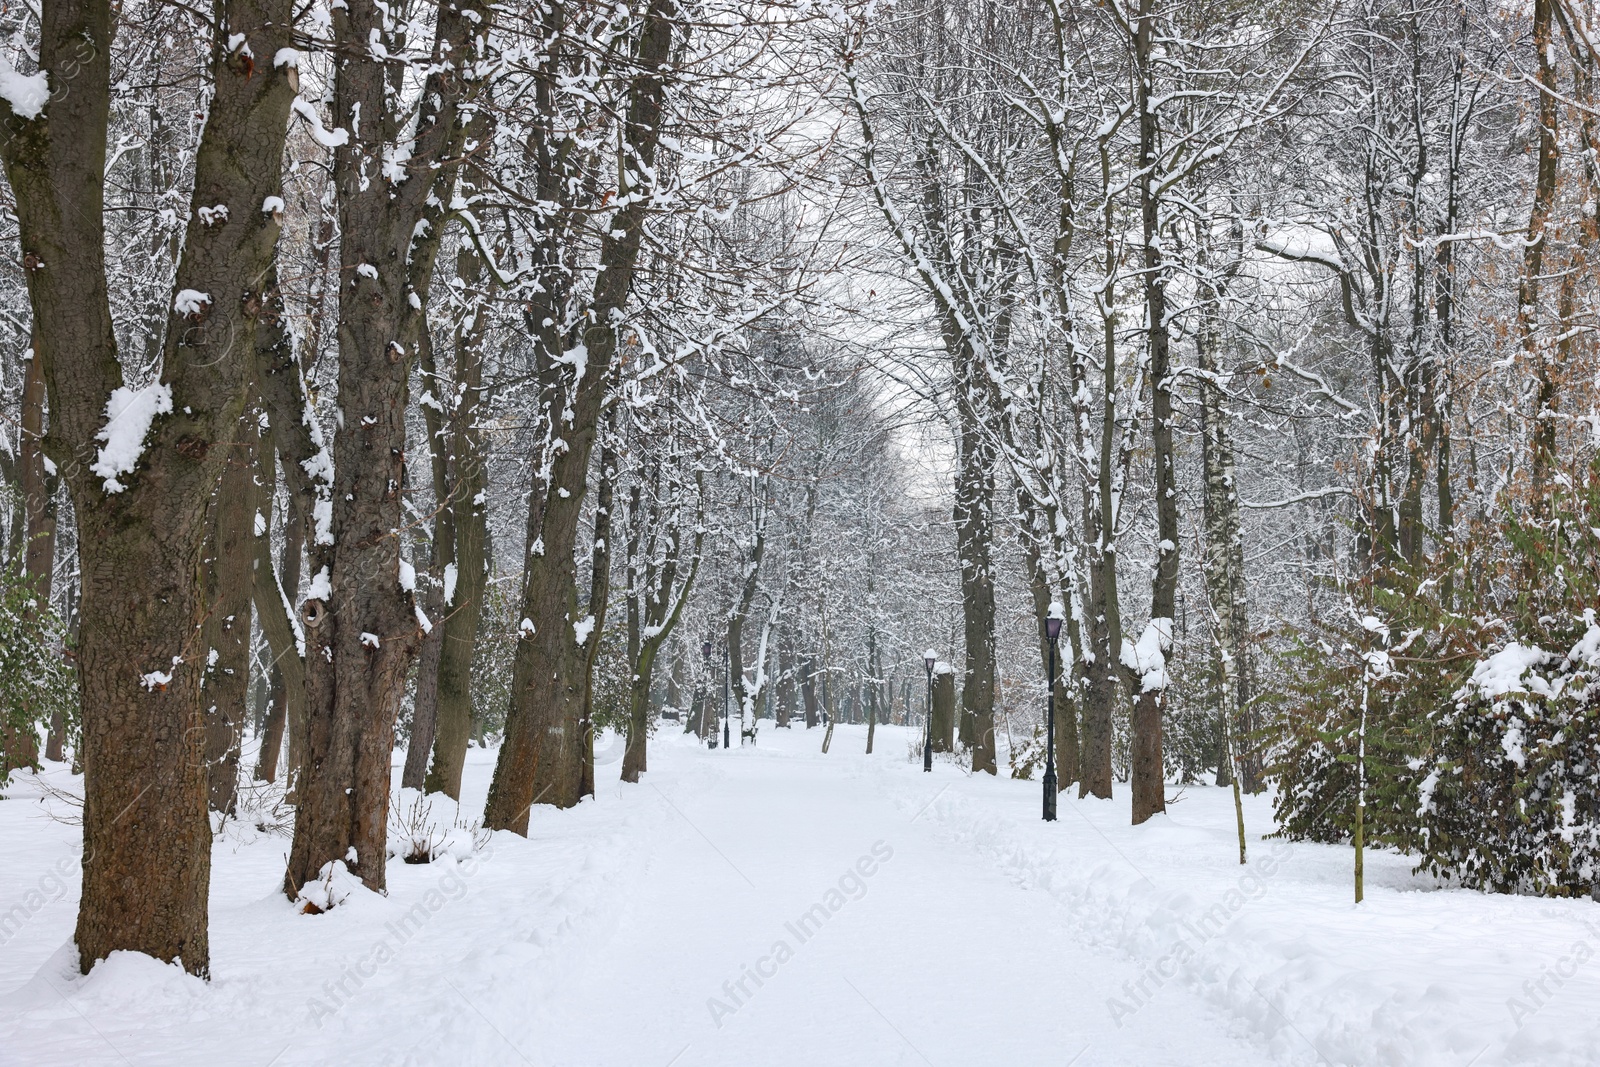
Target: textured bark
pixel 56 738
pixel 227 630
pixel 1102 497
pixel 540 760
pixel 469 521
pixel 1104 617
pixel 281 389
pixel 362 630
pixel 1149 776
pixel 944 711
pixel 147 841
pixel 1222 562
pixel 974 531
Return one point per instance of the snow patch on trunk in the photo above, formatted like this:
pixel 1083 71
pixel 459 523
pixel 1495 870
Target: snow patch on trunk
pixel 1148 656
pixel 129 415
pixel 26 93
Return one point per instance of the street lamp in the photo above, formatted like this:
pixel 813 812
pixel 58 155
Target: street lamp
pixel 711 739
pixel 727 698
pixel 1052 630
pixel 929 658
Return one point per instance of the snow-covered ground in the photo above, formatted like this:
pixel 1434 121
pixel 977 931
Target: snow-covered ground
pixel 774 906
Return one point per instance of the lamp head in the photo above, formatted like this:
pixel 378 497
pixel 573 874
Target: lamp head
pixel 705 650
pixel 929 658
pixel 1053 621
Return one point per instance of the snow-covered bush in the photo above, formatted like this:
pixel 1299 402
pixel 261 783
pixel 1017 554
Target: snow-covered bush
pixel 262 806
pixel 1313 698
pixel 425 826
pixel 1482 731
pixel 1507 798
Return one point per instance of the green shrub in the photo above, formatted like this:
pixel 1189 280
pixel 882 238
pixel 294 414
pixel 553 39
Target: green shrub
pixel 36 679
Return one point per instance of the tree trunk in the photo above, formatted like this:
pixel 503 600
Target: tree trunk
pixel 786 686
pixel 974 504
pixel 599 594
pixel 140 511
pixel 37 486
pixel 272 728
pixel 441 561
pixel 540 759
pixel 693 723
pixel 872 700
pixel 1223 558
pixel 744 693
pixel 635 753
pixel 463 595
pixel 635 757
pixel 1544 193
pixel 227 630
pixel 944 709
pixel 362 626
pixel 275 591
pixel 298 443
pixel 808 689
pixel 36 490
pixel 675 682
pixel 656 601
pixel 463 618
pixel 463 610
pixel 425 710
pixel 1149 774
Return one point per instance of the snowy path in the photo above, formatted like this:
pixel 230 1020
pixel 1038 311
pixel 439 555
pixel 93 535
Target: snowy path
pixel 947 925
pixel 920 963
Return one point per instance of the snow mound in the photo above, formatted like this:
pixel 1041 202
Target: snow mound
pixel 334 885
pixel 127 980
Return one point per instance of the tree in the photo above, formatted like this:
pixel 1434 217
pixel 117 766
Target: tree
pixel 362 624
pixel 139 458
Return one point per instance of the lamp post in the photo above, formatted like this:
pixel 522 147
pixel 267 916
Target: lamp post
pixel 711 678
pixel 727 698
pixel 1052 630
pixel 929 658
